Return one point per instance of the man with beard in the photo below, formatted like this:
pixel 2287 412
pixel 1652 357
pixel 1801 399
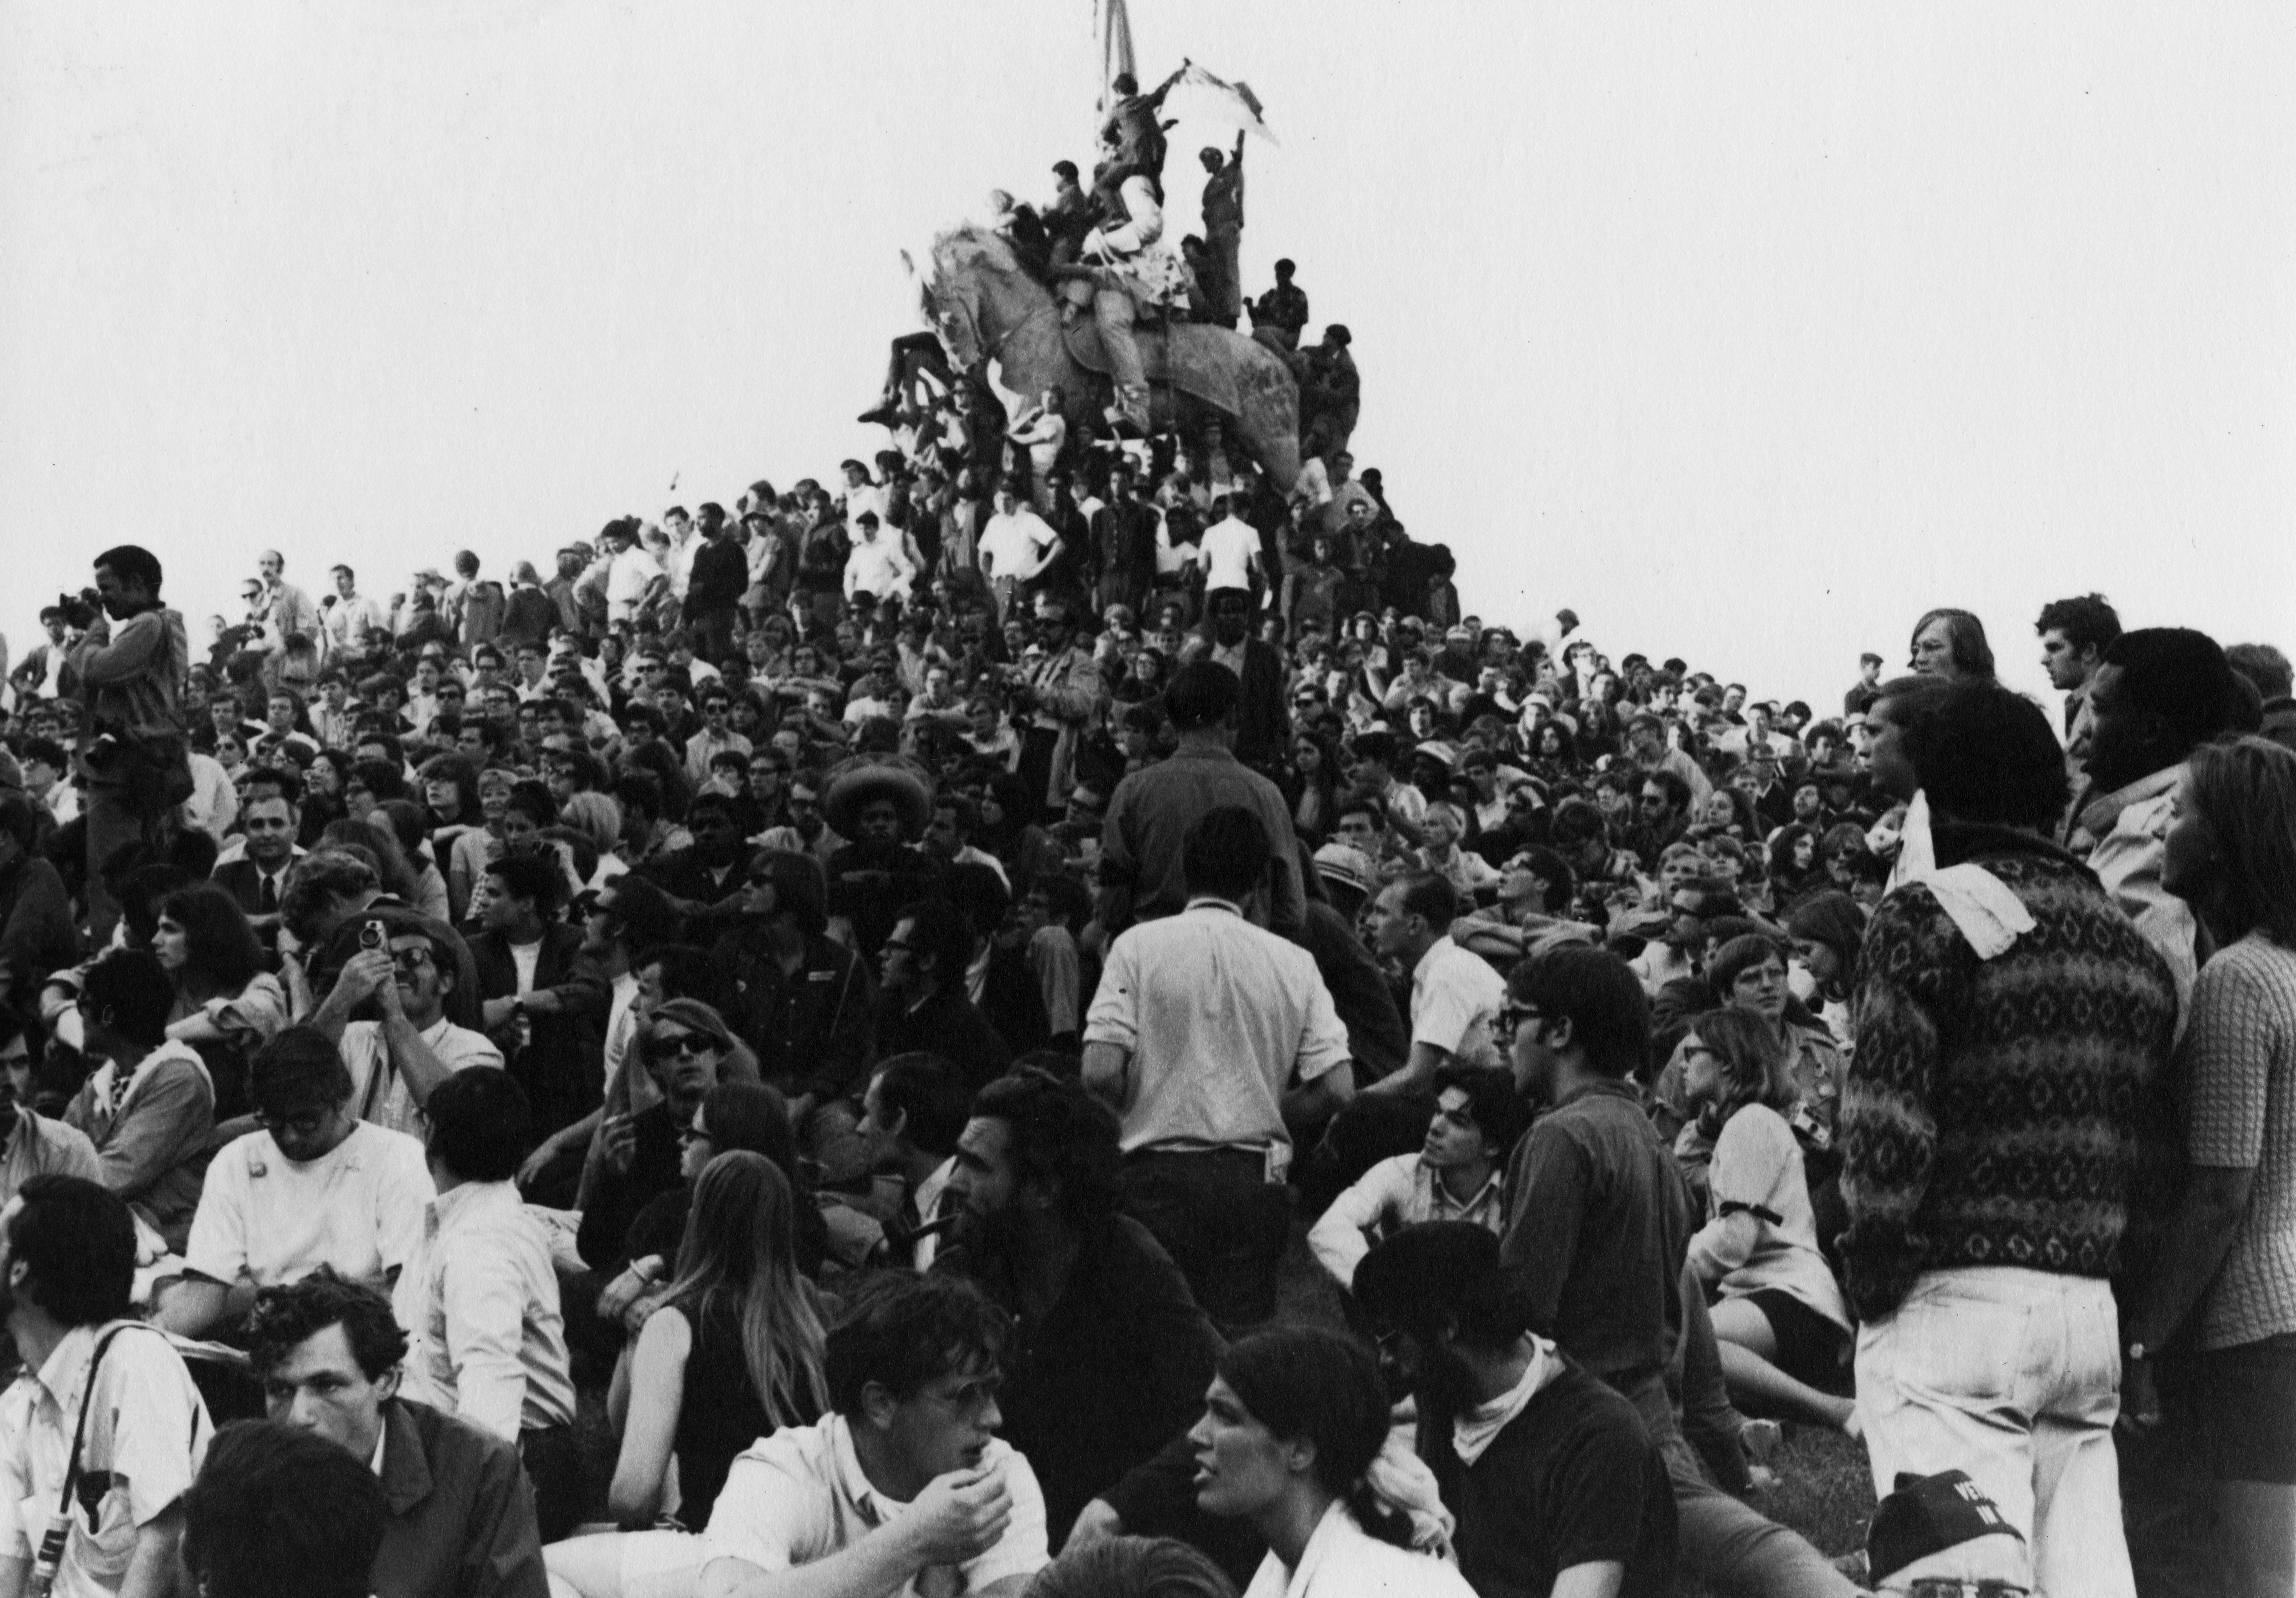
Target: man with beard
pixel 67 1265
pixel 396 1059
pixel 1557 1485
pixel 904 1486
pixel 1262 725
pixel 1118 1354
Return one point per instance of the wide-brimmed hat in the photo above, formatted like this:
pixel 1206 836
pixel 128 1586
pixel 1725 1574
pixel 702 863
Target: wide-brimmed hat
pixel 854 788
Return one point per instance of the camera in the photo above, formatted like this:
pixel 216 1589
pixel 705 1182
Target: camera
pixel 372 936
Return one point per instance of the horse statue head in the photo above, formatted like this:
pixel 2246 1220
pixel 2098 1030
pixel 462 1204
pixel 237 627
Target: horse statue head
pixel 970 272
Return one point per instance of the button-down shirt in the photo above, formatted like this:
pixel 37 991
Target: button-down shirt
pixel 800 1495
pixel 479 1302
pixel 1392 1195
pixel 379 1088
pixel 349 620
pixel 147 1432
pixel 39 1146
pixel 1218 1015
pixel 266 1219
pixel 877 566
pixel 1454 1003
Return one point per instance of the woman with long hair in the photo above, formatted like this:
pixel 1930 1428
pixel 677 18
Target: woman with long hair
pixel 450 807
pixel 1796 866
pixel 1828 929
pixel 1779 1319
pixel 2225 1285
pixel 324 782
pixel 1311 787
pixel 227 1005
pixel 733 1354
pixel 1554 753
pixel 1294 1419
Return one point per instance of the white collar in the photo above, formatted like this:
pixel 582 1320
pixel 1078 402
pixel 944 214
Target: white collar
pixel 1476 1430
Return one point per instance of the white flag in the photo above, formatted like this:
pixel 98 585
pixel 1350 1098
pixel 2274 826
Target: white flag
pixel 1222 100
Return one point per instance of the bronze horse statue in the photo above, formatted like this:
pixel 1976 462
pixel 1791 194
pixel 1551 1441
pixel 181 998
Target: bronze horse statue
pixel 985 305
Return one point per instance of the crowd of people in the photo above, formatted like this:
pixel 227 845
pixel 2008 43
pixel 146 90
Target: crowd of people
pixel 858 998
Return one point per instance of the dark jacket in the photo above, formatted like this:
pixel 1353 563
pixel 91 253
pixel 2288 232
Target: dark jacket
pixel 462 1516
pixel 813 1031
pixel 37 934
pixel 563 1068
pixel 528 617
pixel 947 1023
pixel 721 572
pixel 242 879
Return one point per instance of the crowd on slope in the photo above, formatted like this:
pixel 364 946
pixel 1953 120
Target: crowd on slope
pixel 868 983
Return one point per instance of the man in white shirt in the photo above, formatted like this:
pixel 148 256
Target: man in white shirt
pixel 68 1254
pixel 875 565
pixel 1455 996
pixel 316 1187
pixel 479 1298
pixel 396 1061
pixel 1201 1024
pixel 626 574
pixel 1232 552
pixel 903 1489
pixel 351 616
pixel 1015 544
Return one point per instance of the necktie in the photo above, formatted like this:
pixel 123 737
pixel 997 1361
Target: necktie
pixel 269 896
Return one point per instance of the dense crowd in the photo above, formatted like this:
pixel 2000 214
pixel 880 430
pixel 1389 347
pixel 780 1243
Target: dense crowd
pixel 871 986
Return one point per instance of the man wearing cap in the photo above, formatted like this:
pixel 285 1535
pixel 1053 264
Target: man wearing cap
pixel 397 1060
pixel 1152 810
pixel 880 807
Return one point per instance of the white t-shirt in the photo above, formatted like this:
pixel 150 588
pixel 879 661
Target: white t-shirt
pixel 1015 544
pixel 1454 1003
pixel 800 1495
pixel 1341 1559
pixel 1230 548
pixel 265 1219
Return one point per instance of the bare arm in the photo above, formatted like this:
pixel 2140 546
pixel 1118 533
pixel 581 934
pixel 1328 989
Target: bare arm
pixel 1418 1070
pixel 151 1568
pixel 1107 1073
pixel 657 1384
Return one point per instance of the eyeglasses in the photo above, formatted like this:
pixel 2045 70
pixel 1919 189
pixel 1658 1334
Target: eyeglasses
pixel 1512 1016
pixel 682 1044
pixel 413 959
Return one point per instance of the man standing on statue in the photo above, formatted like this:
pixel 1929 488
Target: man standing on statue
pixel 133 750
pixel 1223 212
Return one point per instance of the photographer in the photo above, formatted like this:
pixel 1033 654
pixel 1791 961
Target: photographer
pixel 133 750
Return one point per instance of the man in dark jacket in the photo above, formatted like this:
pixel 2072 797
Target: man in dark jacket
pixel 544 1009
pixel 714 589
pixel 806 1005
pixel 462 1521
pixel 924 1008
pixel 1263 725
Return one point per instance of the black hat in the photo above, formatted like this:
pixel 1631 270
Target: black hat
pixel 1926 1515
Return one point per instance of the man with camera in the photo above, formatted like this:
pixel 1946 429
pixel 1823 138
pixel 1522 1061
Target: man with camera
pixel 133 749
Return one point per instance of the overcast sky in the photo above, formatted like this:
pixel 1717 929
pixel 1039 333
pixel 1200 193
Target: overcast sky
pixel 1751 331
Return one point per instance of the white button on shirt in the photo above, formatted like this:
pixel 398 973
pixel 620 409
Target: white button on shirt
pixel 800 1495
pixel 479 1302
pixel 263 1218
pixel 1217 1015
pixel 1454 1003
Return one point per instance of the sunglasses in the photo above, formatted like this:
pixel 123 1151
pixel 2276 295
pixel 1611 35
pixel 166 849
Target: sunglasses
pixel 684 1044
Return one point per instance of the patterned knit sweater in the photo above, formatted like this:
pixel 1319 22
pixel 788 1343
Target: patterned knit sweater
pixel 1993 1108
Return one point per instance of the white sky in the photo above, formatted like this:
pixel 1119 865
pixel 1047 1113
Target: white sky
pixel 1749 330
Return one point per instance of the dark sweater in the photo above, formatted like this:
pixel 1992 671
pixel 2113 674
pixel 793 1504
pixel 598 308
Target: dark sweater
pixel 1573 1480
pixel 1993 1109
